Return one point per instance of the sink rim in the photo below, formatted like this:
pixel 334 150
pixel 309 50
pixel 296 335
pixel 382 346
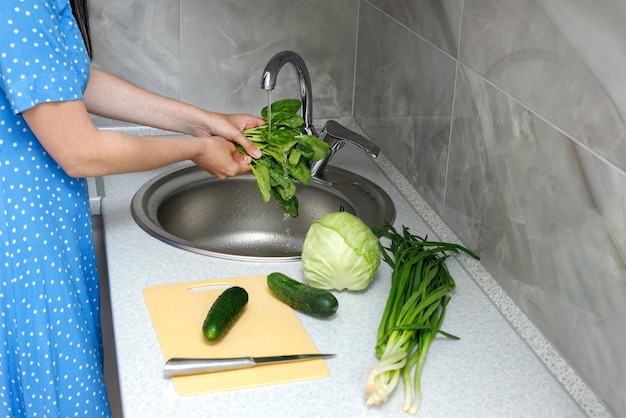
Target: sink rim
pixel 148 198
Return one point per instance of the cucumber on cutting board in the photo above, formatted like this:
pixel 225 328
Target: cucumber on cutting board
pixel 224 312
pixel 302 297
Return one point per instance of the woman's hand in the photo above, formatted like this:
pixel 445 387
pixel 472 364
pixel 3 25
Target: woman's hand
pixel 221 158
pixel 231 127
pixel 224 132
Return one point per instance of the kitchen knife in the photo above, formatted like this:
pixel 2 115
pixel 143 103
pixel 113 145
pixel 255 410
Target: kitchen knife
pixel 178 366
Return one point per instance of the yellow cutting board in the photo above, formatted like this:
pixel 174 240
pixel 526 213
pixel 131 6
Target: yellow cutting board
pixel 267 327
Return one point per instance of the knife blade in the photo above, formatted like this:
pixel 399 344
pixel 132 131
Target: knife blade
pixel 181 366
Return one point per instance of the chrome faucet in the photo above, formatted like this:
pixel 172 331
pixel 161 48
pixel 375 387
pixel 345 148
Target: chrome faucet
pixel 268 82
pixel 335 134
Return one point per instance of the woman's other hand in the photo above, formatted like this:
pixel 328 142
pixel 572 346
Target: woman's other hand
pixel 224 132
pixel 230 127
pixel 221 158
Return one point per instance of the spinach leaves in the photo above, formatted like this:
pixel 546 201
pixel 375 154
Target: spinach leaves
pixel 287 153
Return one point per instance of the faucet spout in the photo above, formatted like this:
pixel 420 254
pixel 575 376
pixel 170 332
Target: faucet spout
pixel 270 73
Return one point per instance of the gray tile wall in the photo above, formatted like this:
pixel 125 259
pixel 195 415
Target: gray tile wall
pixel 518 141
pixel 507 116
pixel 211 53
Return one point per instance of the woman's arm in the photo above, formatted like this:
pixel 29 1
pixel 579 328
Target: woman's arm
pixel 114 98
pixel 68 134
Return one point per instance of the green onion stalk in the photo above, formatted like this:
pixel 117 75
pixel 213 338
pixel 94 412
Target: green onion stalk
pixel 413 315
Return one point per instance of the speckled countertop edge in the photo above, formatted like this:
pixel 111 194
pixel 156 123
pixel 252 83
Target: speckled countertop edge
pixel 545 351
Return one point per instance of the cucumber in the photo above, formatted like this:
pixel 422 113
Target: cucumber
pixel 224 312
pixel 301 297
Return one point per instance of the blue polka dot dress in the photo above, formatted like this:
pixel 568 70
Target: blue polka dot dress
pixel 50 338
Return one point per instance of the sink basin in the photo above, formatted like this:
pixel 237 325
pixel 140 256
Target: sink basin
pixel 192 210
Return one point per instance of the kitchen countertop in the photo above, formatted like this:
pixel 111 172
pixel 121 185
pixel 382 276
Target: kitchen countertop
pixel 490 372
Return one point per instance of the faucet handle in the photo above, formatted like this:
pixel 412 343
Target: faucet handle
pixel 336 135
pixel 341 134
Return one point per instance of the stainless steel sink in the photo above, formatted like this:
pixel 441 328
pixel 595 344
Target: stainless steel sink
pixel 190 209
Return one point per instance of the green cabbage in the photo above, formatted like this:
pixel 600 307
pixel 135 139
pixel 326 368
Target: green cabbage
pixel 340 252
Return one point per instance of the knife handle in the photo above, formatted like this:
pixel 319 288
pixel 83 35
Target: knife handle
pixel 185 366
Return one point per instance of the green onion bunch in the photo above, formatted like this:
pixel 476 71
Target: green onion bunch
pixel 414 313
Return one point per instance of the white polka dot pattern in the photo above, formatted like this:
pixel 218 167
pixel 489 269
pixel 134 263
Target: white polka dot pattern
pixel 50 338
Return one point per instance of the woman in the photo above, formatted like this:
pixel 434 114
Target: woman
pixel 50 338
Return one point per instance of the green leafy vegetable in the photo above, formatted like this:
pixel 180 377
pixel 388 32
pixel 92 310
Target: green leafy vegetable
pixel 414 313
pixel 340 252
pixel 288 152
